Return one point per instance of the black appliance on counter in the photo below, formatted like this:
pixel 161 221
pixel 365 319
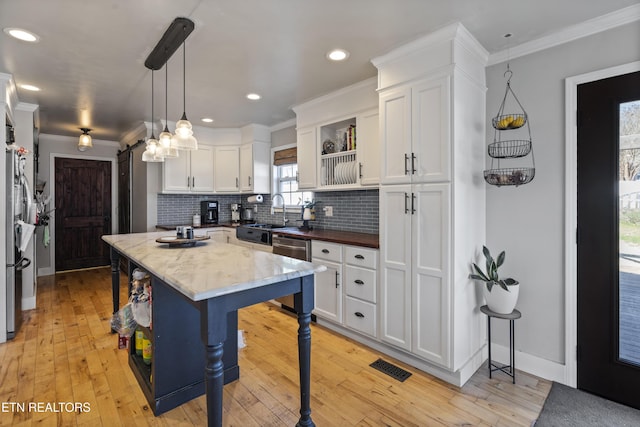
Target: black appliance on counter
pixel 256 233
pixel 209 212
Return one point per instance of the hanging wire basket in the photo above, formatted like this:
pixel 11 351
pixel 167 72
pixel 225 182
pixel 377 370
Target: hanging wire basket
pixel 509 149
pixel 509 121
pixel 515 118
pixel 509 176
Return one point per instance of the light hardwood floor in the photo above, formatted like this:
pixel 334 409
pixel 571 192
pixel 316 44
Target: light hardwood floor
pixel 66 353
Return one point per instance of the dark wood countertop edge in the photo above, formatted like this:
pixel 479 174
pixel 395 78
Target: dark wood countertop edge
pixel 334 236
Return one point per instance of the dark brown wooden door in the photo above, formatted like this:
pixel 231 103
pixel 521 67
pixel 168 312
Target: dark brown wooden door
pixel 605 290
pixel 83 213
pixel 124 192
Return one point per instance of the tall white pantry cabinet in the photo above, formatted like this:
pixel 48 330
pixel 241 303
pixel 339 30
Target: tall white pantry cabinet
pixel 432 199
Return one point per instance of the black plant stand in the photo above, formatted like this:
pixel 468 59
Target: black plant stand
pixel 511 317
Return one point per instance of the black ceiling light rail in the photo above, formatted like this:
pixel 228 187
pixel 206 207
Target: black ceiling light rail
pixel 175 35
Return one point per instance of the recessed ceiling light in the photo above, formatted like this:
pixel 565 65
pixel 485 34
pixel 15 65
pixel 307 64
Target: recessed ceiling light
pixel 338 55
pixel 21 34
pixel 253 96
pixel 32 88
pixel 207 120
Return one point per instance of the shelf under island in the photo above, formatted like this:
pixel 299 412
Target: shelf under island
pixel 196 294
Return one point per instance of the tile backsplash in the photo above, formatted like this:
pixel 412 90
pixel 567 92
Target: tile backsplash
pixel 352 210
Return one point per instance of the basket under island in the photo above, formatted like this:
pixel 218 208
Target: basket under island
pixel 196 294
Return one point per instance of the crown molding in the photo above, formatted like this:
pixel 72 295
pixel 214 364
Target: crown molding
pixel 283 125
pixel 606 22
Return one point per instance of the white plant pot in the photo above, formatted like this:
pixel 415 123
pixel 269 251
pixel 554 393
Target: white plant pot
pixel 501 301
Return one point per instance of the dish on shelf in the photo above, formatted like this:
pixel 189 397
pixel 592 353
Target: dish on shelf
pixel 328 146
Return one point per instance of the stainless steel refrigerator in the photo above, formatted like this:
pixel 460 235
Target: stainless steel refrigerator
pixel 16 211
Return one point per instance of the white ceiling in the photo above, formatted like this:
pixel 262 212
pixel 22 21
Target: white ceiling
pixel 89 61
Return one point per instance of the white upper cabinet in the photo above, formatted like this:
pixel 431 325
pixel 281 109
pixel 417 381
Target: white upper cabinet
pixel 368 147
pixel 338 143
pixel 227 169
pixel 306 144
pixel 191 172
pixel 414 128
pixel 255 159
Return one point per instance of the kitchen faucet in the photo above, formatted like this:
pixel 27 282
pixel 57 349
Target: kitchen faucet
pixel 284 212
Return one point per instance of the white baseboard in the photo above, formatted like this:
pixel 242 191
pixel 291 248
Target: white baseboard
pixel 534 365
pixel 28 303
pixel 46 271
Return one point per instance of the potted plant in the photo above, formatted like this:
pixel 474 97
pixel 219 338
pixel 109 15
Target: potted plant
pixel 501 294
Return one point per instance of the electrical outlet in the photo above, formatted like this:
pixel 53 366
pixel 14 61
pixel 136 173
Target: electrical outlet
pixel 328 210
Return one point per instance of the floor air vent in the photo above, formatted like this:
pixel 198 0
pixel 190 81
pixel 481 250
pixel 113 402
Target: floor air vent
pixel 391 370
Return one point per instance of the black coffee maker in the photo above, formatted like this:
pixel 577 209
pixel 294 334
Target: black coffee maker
pixel 209 212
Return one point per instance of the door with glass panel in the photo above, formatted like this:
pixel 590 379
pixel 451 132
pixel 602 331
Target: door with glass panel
pixel 608 238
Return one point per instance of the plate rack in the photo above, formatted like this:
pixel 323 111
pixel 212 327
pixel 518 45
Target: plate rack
pixel 339 168
pixel 513 119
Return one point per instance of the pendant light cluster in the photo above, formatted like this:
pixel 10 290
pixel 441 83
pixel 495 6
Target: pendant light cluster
pixel 168 145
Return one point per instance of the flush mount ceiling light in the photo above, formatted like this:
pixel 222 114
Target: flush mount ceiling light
pixel 20 34
pixel 207 119
pixel 84 142
pixel 152 152
pixel 253 96
pixel 338 55
pixel 31 88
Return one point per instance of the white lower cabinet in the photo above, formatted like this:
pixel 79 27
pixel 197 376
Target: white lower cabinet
pixel 350 282
pixel 415 286
pixel 328 284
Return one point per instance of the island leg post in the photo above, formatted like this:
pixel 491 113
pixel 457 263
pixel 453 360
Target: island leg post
pixel 213 327
pixel 303 303
pixel 115 279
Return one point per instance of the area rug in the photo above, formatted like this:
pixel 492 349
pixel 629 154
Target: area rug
pixel 569 407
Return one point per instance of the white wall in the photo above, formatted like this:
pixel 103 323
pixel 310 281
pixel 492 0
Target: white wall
pixel 528 221
pixel 52 146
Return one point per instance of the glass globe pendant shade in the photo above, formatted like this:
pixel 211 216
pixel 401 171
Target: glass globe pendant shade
pixel 84 142
pixel 165 145
pixel 185 143
pixel 152 151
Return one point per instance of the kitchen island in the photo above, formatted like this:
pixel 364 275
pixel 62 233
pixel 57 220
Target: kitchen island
pixel 215 280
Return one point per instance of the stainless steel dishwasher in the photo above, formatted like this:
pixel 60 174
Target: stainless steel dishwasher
pixel 294 248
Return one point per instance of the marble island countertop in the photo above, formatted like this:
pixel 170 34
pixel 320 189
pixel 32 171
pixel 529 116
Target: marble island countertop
pixel 210 268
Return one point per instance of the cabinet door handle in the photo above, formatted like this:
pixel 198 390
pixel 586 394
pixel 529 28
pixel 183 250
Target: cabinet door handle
pixel 237 182
pixel 358 314
pixel 325 251
pixel 413 163
pixel 406 203
pixel 358 282
pixel 337 280
pixel 358 256
pixel 188 181
pixel 297 176
pixel 193 182
pixel 413 199
pixel 360 171
pixel 406 164
pixel 249 179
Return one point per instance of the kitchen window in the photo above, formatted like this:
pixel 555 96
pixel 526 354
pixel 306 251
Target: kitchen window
pixel 286 183
pixel 285 179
